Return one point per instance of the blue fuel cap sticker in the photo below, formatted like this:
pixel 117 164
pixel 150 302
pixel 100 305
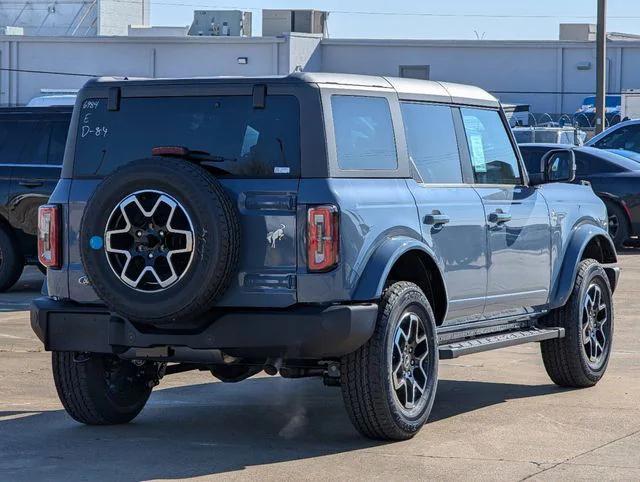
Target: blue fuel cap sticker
pixel 96 242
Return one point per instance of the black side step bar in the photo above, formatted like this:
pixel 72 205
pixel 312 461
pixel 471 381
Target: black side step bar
pixel 500 340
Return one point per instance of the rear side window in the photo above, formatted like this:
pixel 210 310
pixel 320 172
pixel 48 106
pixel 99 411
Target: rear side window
pixel 24 141
pixel 587 164
pixel 532 157
pixel 584 164
pixel 432 142
pixel 249 142
pixel 57 142
pixel 364 133
pixel 492 155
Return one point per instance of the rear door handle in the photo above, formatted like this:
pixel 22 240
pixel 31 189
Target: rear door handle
pixel 31 183
pixel 436 219
pixel 499 217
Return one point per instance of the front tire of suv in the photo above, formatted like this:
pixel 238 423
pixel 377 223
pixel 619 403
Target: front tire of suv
pixel 11 259
pixel 100 389
pixel 580 359
pixel 389 384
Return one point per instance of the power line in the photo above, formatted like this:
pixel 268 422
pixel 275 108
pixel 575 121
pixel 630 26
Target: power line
pixel 364 12
pixel 48 72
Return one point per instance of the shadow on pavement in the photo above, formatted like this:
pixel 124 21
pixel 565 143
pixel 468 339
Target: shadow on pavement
pixel 212 428
pixel 26 289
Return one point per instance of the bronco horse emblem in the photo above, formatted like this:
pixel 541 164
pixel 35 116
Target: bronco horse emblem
pixel 276 235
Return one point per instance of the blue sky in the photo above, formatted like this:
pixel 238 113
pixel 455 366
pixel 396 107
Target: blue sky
pixel 460 19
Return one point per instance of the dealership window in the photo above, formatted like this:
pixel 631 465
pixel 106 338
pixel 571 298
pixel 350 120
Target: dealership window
pixel 421 72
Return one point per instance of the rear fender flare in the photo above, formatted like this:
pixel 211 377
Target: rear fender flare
pixel 372 280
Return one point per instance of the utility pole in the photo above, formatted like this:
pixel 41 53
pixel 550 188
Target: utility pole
pixel 601 67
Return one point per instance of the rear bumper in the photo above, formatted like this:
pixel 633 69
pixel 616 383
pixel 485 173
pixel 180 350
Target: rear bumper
pixel 303 332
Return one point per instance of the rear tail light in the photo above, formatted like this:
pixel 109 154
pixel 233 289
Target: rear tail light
pixel 323 239
pixel 49 240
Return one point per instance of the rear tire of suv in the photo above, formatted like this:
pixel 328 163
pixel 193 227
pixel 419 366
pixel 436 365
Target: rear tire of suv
pixel 100 389
pixel 11 259
pixel 389 384
pixel 580 359
pixel 160 241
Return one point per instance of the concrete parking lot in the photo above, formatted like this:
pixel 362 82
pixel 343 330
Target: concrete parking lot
pixel 496 417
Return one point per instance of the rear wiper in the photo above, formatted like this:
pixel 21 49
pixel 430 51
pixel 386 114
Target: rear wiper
pixel 186 153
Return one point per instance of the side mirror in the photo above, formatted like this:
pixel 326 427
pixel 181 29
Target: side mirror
pixel 558 165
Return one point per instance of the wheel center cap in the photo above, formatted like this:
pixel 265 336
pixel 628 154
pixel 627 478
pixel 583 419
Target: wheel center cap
pixel 149 240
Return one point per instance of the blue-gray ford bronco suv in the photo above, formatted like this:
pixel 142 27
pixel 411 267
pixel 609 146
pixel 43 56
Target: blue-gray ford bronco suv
pixel 347 227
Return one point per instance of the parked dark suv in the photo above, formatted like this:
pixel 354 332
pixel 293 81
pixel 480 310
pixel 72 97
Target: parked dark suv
pixel 32 144
pixel 350 227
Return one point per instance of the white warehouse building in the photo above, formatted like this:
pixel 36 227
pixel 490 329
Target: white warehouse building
pixel 73 18
pixel 551 76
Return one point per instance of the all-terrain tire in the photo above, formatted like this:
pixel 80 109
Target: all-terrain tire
pixel 215 228
pixel 565 359
pixel 11 259
pixel 366 374
pixel 89 398
pixel 621 234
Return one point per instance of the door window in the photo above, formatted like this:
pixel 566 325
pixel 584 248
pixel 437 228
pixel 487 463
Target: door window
pixel 35 150
pixel 12 141
pixel 627 138
pixel 532 157
pixel 432 142
pixel 57 143
pixel 364 133
pixel 24 142
pixel 493 157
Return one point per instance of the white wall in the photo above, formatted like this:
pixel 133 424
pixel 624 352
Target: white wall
pixel 74 17
pixel 520 68
pixel 126 56
pixel 514 71
pixel 115 16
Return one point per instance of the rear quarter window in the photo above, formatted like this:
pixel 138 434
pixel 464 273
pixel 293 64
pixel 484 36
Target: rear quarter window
pixel 364 133
pixel 253 142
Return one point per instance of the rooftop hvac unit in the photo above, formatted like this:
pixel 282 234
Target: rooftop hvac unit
pixel 221 23
pixel 277 22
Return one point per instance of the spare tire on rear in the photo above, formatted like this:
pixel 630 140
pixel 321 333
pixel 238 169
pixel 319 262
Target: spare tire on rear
pixel 159 241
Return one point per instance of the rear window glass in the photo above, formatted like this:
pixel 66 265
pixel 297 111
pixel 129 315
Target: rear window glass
pixel 252 142
pixel 364 133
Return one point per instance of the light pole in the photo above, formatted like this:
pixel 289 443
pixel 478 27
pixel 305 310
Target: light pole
pixel 601 67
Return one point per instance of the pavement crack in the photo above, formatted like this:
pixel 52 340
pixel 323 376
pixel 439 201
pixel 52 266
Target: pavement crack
pixel 454 457
pixel 574 457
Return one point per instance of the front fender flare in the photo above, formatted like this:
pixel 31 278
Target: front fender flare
pixel 580 238
pixel 375 273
